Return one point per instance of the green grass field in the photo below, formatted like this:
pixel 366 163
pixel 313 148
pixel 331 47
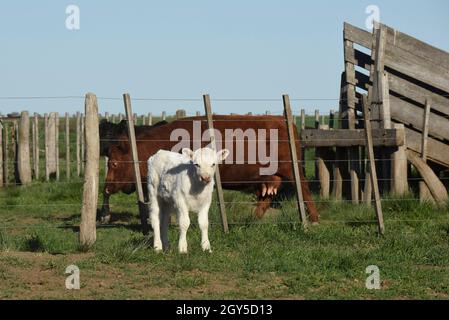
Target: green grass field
pixel 271 258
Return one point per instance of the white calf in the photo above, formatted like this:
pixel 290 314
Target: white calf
pixel 181 183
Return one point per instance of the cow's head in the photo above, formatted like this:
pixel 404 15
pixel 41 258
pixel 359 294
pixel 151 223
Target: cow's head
pixel 120 170
pixel 109 133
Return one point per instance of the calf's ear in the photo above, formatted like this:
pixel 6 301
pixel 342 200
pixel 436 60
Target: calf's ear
pixel 222 154
pixel 188 153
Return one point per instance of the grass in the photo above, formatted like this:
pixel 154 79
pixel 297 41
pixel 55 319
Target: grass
pixel 259 259
pixel 271 258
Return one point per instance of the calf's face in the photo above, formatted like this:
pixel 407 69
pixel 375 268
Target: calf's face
pixel 205 161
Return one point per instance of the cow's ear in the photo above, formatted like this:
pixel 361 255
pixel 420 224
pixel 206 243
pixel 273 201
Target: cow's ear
pixel 187 153
pixel 222 154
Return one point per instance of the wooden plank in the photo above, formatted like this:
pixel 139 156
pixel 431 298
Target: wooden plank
pixel 358 58
pixel 1 154
pixel 399 174
pixel 424 191
pixel 350 138
pixel 78 144
pixel 436 150
pixel 417 47
pixel 36 146
pixel 218 185
pixel 67 146
pixel 23 152
pixel 372 167
pixel 417 93
pixel 57 145
pixel 411 65
pixel 135 158
pixel 88 234
pixel 5 154
pixel 436 187
pixel 357 35
pixel 409 114
pixel 293 152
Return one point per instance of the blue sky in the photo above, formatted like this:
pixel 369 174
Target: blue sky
pixel 182 49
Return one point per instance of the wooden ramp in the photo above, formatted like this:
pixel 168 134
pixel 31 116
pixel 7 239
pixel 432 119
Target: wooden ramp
pixel 413 73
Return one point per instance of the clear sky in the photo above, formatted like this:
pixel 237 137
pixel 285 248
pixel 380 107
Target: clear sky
pixel 182 49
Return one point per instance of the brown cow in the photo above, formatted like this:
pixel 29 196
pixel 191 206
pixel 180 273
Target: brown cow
pixel 237 176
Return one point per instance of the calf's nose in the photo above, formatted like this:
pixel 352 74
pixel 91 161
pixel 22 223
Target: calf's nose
pixel 205 179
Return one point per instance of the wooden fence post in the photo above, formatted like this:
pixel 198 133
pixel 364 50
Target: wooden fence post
pixel 88 233
pixel 47 172
pixel 23 152
pixel 50 150
pixel 67 146
pixel 83 143
pixel 150 119
pixel 164 115
pixel 143 207
pixel 57 145
pixel 292 143
pixel 424 192
pixel 399 184
pixel 36 147
pixel 210 123
pixel 113 118
pixel 5 155
pixel 372 166
pixel 1 154
pixel 78 144
pixel 106 116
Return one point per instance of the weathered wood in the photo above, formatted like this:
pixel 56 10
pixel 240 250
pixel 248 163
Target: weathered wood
pixel 150 119
pixel 23 152
pixel 78 144
pixel 292 144
pixel 143 119
pixel 372 166
pixel 368 188
pixel 358 58
pixel 67 146
pixel 47 168
pixel 57 145
pixel 90 190
pixel 424 192
pixel 436 187
pixel 83 142
pixel 357 35
pixel 1 155
pixel 350 138
pixel 5 154
pixel 36 158
pixel 164 115
pixel 221 203
pixel 33 149
pixel 106 116
pixel 399 174
pixel 50 152
pixel 437 151
pixel 322 156
pixel 114 118
pixel 409 114
pixel 303 119
pixel 406 89
pixel 143 207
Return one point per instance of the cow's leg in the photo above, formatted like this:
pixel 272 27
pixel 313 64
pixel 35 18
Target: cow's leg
pixel 165 222
pixel 184 223
pixel 155 212
pixel 203 222
pixel 105 212
pixel 267 190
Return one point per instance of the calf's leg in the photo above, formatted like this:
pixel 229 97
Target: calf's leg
pixel 184 223
pixel 203 222
pixel 165 222
pixel 155 223
pixel 105 212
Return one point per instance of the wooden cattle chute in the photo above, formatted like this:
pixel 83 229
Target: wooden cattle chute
pixel 406 82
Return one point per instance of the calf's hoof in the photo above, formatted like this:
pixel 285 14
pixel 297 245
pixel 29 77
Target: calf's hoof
pixel 182 248
pixel 158 247
pixel 206 246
